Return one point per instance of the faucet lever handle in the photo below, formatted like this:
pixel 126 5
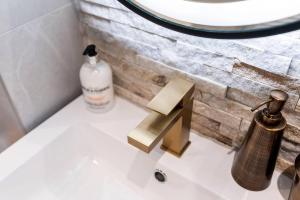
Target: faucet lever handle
pixel 176 91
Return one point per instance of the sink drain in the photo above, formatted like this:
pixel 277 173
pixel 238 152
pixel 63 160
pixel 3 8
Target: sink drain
pixel 160 176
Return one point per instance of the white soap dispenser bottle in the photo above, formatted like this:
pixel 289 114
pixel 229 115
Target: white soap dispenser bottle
pixel 96 82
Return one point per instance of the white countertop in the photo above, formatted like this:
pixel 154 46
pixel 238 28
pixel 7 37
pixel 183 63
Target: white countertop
pixel 205 163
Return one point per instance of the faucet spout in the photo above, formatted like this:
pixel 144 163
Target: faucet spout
pixel 170 119
pixel 152 129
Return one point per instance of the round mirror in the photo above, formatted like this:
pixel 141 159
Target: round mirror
pixel 221 18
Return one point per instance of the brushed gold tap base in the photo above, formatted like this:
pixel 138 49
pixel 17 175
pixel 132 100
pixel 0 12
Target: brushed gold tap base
pixel 169 119
pixel 177 154
pixel 176 139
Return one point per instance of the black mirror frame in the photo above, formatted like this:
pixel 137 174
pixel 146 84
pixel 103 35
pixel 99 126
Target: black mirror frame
pixel 212 34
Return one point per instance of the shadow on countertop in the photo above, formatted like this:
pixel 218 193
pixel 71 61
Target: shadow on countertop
pixel 285 181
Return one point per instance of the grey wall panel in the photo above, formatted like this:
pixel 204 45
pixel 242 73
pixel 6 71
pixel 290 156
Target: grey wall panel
pixel 11 128
pixel 40 62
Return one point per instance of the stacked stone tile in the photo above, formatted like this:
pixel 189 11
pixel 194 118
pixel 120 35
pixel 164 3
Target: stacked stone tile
pixel 231 76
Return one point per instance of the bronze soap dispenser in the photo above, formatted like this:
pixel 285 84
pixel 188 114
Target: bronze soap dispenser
pixel 255 160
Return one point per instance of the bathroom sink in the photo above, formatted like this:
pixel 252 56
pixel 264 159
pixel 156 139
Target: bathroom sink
pixel 79 155
pixel 85 163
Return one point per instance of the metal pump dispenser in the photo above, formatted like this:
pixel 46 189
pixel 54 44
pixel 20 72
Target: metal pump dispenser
pixel 255 160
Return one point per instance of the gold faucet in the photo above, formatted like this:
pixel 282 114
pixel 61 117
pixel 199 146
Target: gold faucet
pixel 170 119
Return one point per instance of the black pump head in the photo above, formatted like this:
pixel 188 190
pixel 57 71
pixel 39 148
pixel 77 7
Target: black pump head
pixel 90 50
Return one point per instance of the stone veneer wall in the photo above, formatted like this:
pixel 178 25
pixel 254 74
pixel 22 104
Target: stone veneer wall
pixel 231 76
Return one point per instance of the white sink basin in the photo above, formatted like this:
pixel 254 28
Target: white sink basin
pixel 78 155
pixel 84 163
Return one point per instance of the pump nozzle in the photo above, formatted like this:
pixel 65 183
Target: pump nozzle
pixel 276 101
pixel 90 50
pixel 260 105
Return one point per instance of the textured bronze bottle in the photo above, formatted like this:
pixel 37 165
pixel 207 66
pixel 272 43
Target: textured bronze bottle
pixel 255 160
pixel 295 190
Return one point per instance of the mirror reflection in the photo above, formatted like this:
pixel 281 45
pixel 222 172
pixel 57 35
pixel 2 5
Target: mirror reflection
pixel 221 18
pixel 214 1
